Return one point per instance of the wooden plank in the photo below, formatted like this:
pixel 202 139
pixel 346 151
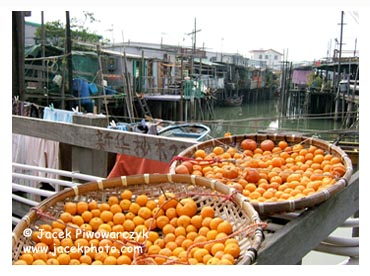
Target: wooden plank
pixel 130 143
pixel 301 235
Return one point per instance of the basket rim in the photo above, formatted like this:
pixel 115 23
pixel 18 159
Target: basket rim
pixel 148 179
pixel 268 208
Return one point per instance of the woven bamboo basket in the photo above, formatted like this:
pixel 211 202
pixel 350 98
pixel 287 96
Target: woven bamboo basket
pixel 268 208
pixel 238 211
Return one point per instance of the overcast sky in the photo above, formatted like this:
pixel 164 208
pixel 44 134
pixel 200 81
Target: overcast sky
pixel 306 33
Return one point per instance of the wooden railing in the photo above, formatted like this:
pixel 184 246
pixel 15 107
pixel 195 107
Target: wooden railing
pixel 103 139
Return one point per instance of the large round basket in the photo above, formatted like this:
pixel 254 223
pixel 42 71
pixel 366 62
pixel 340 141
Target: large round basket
pixel 266 208
pixel 227 204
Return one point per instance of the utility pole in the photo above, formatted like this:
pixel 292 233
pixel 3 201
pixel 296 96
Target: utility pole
pixel 69 56
pixel 339 64
pixel 194 40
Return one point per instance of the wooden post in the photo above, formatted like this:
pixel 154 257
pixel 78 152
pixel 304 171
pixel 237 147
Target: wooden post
pixel 142 72
pixel 18 54
pixel 182 91
pixel 90 161
pixel 102 84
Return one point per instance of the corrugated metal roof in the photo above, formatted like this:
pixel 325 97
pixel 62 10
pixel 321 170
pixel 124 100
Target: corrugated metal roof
pixel 115 53
pixel 209 63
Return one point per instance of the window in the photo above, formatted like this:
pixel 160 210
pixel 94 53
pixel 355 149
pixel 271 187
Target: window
pixel 266 56
pixel 260 56
pixel 275 57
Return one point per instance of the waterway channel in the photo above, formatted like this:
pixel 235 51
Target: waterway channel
pixel 265 116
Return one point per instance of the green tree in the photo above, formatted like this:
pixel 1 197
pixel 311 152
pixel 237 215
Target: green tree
pixel 55 31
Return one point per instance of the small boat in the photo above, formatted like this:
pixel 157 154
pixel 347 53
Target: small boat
pixel 192 131
pixel 233 101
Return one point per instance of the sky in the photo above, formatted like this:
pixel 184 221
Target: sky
pixel 301 32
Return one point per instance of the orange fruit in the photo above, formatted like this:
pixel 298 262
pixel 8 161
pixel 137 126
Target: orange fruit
pixel 215 222
pixel 123 260
pixel 199 254
pixel 207 211
pixel 115 208
pixel 87 216
pixel 95 223
pixel 113 200
pixel 252 176
pixel 230 172
pixel 118 218
pixel 200 153
pixel 138 220
pixel 66 217
pixel 125 204
pixel 128 225
pixel 78 220
pixel 180 231
pixel 85 259
pixel 134 208
pixel 167 200
pixel 218 150
pixel 186 243
pixel 233 249
pixel 20 262
pixel 63 259
pixel 110 260
pixel 182 169
pixel 126 194
pixel 27 257
pixel 197 221
pixel 248 144
pixel 36 262
pixel 145 212
pixel 282 144
pixel 52 261
pixel 82 206
pixel 211 234
pixel 151 204
pixel 183 220
pixel 171 245
pixel 95 212
pixel 106 216
pixel 225 227
pixel 93 205
pixel 142 199
pixel 168 228
pixel 162 221
pixel 74 253
pixel 213 261
pixel 203 231
pixel 180 239
pixel 188 165
pixel 70 207
pixel 171 213
pixel 267 145
pixel 58 224
pixel 186 206
pixel 150 223
pixel 104 207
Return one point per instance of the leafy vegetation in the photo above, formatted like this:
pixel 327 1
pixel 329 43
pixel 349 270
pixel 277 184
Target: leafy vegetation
pixel 55 31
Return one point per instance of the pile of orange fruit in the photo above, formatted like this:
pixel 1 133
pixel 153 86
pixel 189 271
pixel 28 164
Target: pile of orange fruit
pixel 134 229
pixel 269 171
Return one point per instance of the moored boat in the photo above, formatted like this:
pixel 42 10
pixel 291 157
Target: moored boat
pixel 233 101
pixel 193 131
